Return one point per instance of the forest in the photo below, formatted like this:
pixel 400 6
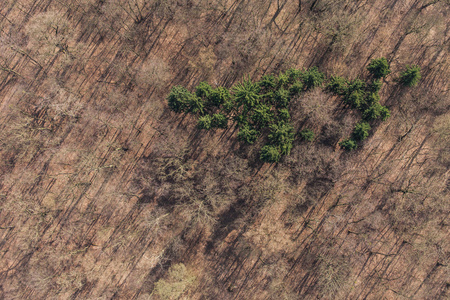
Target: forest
pixel 224 149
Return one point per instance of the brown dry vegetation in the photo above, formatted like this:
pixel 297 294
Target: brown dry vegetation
pixel 106 194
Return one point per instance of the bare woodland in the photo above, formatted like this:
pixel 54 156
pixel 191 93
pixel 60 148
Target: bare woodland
pixel 107 194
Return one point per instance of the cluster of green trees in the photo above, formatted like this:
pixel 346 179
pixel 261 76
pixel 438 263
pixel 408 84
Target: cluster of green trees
pixel 256 108
pixel 360 133
pixel 261 108
pixel 363 96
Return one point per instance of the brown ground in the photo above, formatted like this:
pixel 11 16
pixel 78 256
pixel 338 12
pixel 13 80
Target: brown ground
pixel 105 192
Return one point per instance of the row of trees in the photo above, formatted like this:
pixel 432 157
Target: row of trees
pixel 261 108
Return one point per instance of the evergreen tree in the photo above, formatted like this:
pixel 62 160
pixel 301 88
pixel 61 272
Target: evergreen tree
pixel 384 113
pixel 267 82
pixel 356 85
pixel 379 68
pixel 281 98
pixel 294 75
pixel 355 99
pixel 262 115
pixel 361 131
pixel 204 122
pixel 219 96
pixel 313 78
pixel 283 115
pixel 282 80
pixel 296 88
pixel 307 135
pixel 270 154
pixel 195 105
pixel 411 76
pixel 338 85
pixel 248 134
pixel 282 135
pixel 348 144
pixel 219 121
pixel 246 94
pixel 179 99
pixel 373 112
pixel 203 90
pixel 375 86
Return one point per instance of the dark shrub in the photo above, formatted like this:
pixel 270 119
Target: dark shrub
pixel 411 76
pixel 270 154
pixel 338 85
pixel 219 96
pixel 248 134
pixel 361 131
pixel 348 144
pixel 379 67
pixel 203 90
pixel 312 78
pixel 307 135
pixel 204 122
pixel 219 121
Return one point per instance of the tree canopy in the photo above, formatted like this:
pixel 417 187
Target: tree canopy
pixel 379 67
pixel 261 109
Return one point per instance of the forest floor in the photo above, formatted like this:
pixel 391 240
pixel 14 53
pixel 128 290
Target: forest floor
pixel 106 193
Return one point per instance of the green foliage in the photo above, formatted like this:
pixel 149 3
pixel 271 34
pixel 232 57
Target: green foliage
pixel 354 95
pixel 294 74
pixel 268 82
pixel 313 78
pixel 338 85
pixel 296 88
pixel 179 99
pixel 384 113
pixel 282 135
pixel 281 98
pixel 270 154
pixel 246 93
pixel 286 148
pixel 204 122
pixel 228 105
pixel 361 96
pixel 373 112
pixel 260 108
pixel 220 96
pixel 348 144
pixel 307 135
pixel 248 134
pixel 283 115
pixel 282 80
pixel 379 67
pixel 241 120
pixel 262 115
pixel 411 76
pixel 372 99
pixel 355 99
pixel 195 105
pixel 375 86
pixel 268 98
pixel 219 121
pixel 356 85
pixel 203 90
pixel 361 131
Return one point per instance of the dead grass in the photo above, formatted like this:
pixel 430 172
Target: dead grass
pixel 107 194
